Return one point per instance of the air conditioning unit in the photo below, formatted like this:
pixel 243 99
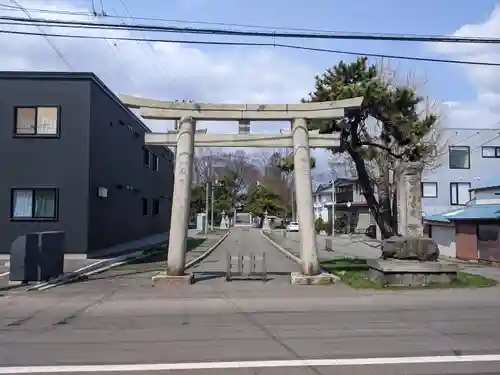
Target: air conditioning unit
pixel 102 192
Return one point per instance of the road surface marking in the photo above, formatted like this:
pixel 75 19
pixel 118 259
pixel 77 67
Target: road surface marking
pixel 248 364
pixel 4 274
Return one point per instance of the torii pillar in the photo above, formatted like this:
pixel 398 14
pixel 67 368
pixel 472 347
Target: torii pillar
pixel 178 234
pixel 303 187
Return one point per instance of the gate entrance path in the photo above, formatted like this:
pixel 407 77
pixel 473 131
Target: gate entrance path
pixel 245 242
pixel 185 140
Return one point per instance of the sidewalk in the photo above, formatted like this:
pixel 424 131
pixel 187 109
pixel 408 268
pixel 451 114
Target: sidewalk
pixel 343 246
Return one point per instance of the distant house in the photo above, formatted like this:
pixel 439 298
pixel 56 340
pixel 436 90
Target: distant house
pixel 470 232
pixel 349 201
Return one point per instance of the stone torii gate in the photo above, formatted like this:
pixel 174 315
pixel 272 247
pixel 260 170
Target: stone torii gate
pixel 187 138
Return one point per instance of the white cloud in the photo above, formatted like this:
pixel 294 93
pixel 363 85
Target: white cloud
pixel 484 110
pixel 157 70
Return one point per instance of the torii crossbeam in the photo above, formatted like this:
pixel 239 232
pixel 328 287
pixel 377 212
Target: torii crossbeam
pixel 299 138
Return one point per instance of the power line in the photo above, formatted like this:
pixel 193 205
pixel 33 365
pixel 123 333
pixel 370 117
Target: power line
pixel 225 24
pixel 250 44
pixel 227 32
pixel 54 47
pixel 161 71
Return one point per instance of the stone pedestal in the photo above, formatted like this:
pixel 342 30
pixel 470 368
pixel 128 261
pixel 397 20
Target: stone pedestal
pixel 163 279
pixel 266 225
pixel 319 279
pixel 408 273
pixel 224 223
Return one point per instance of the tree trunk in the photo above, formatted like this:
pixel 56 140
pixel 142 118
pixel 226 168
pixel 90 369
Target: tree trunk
pixel 395 222
pixel 383 218
pixel 261 221
pixel 384 193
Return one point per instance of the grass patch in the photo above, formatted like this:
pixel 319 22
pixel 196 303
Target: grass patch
pixel 354 272
pixel 157 259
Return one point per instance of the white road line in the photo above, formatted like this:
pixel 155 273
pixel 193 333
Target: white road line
pixel 4 274
pixel 249 364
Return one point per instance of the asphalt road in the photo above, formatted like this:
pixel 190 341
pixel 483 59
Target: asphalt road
pixel 248 324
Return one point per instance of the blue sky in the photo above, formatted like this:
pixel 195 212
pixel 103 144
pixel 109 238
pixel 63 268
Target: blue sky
pixel 444 81
pixel 470 96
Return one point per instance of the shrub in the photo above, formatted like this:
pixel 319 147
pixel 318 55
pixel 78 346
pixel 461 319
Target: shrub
pixel 318 225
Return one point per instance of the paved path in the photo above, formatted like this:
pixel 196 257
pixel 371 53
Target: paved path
pixel 126 321
pixel 245 242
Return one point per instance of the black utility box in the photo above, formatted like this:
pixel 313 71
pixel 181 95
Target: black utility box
pixel 37 256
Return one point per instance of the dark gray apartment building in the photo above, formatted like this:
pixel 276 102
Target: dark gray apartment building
pixel 73 160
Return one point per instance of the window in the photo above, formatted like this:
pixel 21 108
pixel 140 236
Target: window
pixel 459 157
pixel 487 232
pixel 34 204
pixel 491 151
pixel 429 189
pixel 459 193
pixel 145 207
pixel 146 157
pixel 37 121
pixel 156 207
pixel 156 163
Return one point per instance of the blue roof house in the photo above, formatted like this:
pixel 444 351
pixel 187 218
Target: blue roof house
pixel 470 232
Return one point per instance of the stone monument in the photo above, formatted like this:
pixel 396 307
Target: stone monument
pixel 410 259
pixel 267 223
pixel 224 222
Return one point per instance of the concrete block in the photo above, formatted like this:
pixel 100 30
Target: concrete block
pixel 410 273
pixel 164 279
pixel 321 279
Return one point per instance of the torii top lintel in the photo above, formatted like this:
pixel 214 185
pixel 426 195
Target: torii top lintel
pixel 172 110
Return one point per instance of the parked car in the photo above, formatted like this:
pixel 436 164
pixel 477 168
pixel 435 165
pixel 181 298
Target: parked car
pixel 292 227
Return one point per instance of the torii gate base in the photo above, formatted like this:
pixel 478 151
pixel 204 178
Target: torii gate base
pixel 300 139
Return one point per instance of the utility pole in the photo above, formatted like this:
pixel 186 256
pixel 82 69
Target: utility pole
pixel 207 189
pixel 333 203
pixel 212 203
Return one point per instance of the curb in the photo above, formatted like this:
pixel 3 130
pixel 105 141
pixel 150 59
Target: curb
pixel 281 249
pixel 206 253
pixel 294 258
pixel 98 265
pixel 90 270
pixel 118 261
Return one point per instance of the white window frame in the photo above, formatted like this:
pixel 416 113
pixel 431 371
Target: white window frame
pixel 429 183
pixel 495 149
pixel 455 193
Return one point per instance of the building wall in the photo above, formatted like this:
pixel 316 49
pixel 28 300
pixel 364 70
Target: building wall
pixel 481 168
pixel 466 241
pixel 117 163
pixel 46 162
pixel 444 236
pixel 487 196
